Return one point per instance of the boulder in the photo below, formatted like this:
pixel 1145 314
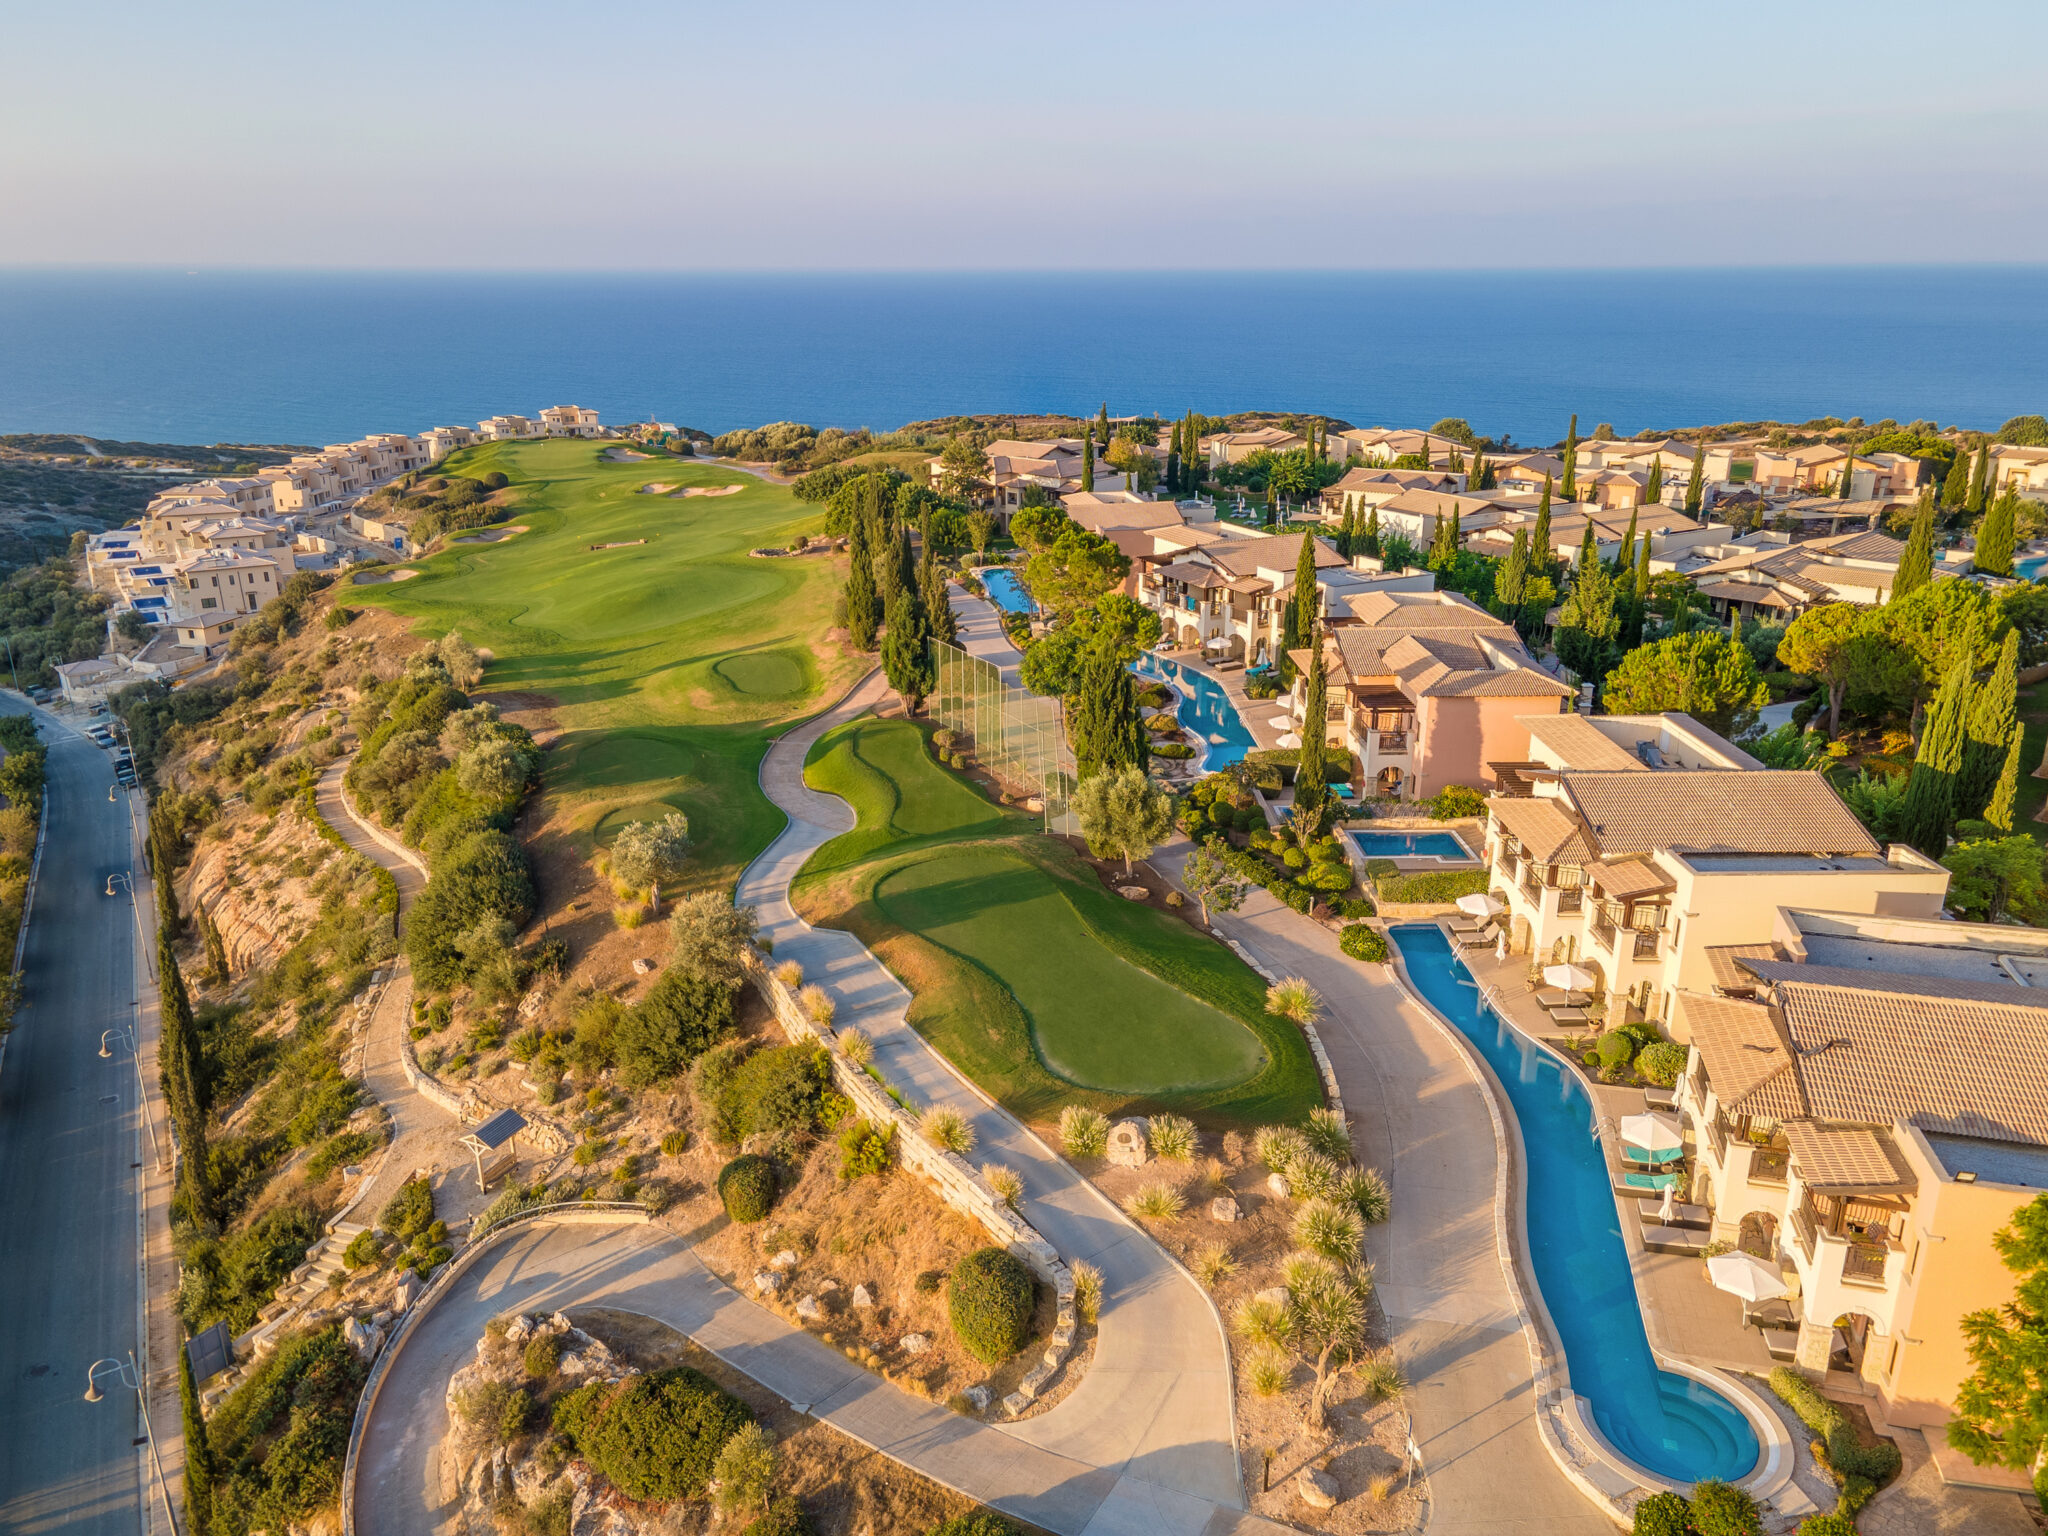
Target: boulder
pixel 363 1337
pixel 783 1260
pixel 519 1330
pixel 863 1298
pixel 1132 892
pixel 978 1398
pixel 767 1282
pixel 1318 1490
pixel 913 1343
pixel 1223 1208
pixel 642 966
pixel 828 1288
pixel 1127 1146
pixel 1276 1186
pixel 408 1292
pixel 808 1309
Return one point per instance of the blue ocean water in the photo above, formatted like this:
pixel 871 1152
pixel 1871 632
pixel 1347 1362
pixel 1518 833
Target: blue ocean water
pixel 318 357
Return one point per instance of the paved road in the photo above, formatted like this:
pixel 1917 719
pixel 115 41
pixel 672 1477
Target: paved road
pixel 979 625
pixel 1418 1114
pixel 70 1140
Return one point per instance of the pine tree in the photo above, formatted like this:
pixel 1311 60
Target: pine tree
pixel 862 606
pixel 1695 482
pixel 1571 458
pixel 1929 810
pixel 1997 534
pixel 2005 794
pixel 1512 580
pixel 1311 783
pixel 1994 711
pixel 1916 561
pixel 1653 489
pixel 1542 557
pixel 1625 557
pixel 198 1453
pixel 1979 473
pixel 1371 541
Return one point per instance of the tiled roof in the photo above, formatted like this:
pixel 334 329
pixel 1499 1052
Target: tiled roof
pixel 1747 1057
pixel 1847 1157
pixel 1715 810
pixel 1243 557
pixel 1582 744
pixel 1629 878
pixel 1194 574
pixel 1547 834
pixel 1731 974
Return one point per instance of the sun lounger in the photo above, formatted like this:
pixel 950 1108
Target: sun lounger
pixel 1635 1182
pixel 1475 933
pixel 1570 1016
pixel 1551 997
pixel 1660 1098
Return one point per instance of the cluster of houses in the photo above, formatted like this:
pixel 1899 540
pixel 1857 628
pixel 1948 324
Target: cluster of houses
pixel 209 553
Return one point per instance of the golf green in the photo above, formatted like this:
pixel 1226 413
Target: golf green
pixel 883 769
pixel 1098 1020
pixel 763 674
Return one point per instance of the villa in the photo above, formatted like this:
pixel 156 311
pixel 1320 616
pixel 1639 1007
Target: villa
pixel 1235 447
pixel 1766 575
pixel 1812 468
pixel 1426 687
pixel 2023 469
pixel 1868 1100
pixel 1053 465
pixel 1644 846
pixel 1669 533
pixel 1366 487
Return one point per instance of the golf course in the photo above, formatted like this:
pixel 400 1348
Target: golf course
pixel 670 655
pixel 1042 986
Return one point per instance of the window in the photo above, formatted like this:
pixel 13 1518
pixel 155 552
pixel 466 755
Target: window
pixel 206 602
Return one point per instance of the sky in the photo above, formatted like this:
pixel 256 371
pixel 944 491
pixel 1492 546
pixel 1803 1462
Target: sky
pixel 910 135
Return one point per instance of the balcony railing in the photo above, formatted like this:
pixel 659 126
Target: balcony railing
pixel 1803 1230
pixel 1717 1135
pixel 1532 883
pixel 1767 1165
pixel 1602 931
pixel 1864 1264
pixel 1393 741
pixel 1646 945
pixel 1571 900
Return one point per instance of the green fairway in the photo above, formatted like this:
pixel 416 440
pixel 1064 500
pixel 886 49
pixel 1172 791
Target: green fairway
pixel 1027 974
pixel 671 658
pixel 1098 1020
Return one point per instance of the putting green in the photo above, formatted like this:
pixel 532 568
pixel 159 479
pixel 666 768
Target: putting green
pixel 644 810
pixel 1098 1020
pixel 764 674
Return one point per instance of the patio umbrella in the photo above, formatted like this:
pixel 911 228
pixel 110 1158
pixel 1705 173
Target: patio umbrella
pixel 1667 1208
pixel 1282 722
pixel 1288 741
pixel 1573 978
pixel 1482 904
pixel 1652 1133
pixel 1747 1276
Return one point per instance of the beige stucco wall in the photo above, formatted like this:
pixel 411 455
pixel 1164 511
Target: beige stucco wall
pixel 1457 738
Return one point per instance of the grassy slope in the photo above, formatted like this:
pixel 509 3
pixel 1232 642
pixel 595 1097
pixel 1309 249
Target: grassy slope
pixel 1046 938
pixel 671 662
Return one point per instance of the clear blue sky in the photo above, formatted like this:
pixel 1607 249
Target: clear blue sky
pixel 1497 133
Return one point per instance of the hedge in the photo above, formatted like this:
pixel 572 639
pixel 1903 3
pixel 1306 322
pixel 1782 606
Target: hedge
pixel 1845 1456
pixel 1663 1514
pixel 655 1435
pixel 747 1185
pixel 1362 941
pixel 1338 763
pixel 989 1300
pixel 1434 885
pixel 978 1522
pixel 1262 874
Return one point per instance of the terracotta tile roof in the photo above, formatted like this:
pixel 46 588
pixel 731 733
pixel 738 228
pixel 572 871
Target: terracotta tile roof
pixel 1582 744
pixel 1847 1157
pixel 1715 810
pixel 1243 557
pixel 1547 834
pixel 1729 973
pixel 1629 878
pixel 1747 1057
pixel 1194 575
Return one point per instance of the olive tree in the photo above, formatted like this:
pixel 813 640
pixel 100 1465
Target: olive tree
pixel 649 852
pixel 1124 812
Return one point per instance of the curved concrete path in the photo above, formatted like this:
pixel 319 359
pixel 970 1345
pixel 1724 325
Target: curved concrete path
pixel 1419 1115
pixel 1155 1408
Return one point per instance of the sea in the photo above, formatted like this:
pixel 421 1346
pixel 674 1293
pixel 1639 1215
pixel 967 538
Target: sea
pixel 318 357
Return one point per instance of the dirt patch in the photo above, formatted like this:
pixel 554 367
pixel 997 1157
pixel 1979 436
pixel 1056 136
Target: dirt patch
pixel 711 490
pixel 252 875
pixel 1367 1435
pixel 378 578
pixel 846 1488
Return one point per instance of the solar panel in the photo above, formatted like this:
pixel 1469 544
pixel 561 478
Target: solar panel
pixel 500 1128
pixel 211 1353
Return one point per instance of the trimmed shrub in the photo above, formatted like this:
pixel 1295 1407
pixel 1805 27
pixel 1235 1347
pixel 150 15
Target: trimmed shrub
pixel 655 1435
pixel 1434 886
pixel 1827 1525
pixel 979 1522
pixel 747 1185
pixel 1456 800
pixel 1722 1509
pixel 988 1300
pixel 1362 941
pixel 1617 1050
pixel 1662 1062
pixel 1663 1514
pixel 1843 1455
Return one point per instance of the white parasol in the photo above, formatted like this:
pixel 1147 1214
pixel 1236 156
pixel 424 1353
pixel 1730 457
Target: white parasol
pixel 1747 1276
pixel 1573 978
pixel 1290 740
pixel 1282 722
pixel 1482 904
pixel 1653 1133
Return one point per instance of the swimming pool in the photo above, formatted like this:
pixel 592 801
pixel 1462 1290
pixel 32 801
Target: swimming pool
pixel 1205 710
pixel 1670 1424
pixel 1412 845
pixel 2031 568
pixel 1006 591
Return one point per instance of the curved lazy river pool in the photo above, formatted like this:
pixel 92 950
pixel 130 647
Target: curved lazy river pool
pixel 1204 710
pixel 1670 1424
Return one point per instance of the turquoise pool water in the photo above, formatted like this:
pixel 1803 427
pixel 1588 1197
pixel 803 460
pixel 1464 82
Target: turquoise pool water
pixel 1006 591
pixel 1674 1426
pixel 2030 569
pixel 1205 710
pixel 1411 845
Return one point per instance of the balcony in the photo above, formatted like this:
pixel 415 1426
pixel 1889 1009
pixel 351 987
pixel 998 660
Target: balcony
pixel 1393 741
pixel 1645 945
pixel 1864 1264
pixel 1803 1230
pixel 1572 899
pixel 1601 929
pixel 1532 883
pixel 1717 1134
pixel 1767 1165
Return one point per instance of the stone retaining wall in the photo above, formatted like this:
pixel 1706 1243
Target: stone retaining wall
pixel 1315 1041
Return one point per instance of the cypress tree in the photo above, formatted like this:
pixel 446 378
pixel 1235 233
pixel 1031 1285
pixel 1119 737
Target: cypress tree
pixel 1929 810
pixel 1104 724
pixel 1625 557
pixel 1299 618
pixel 178 1070
pixel 931 591
pixel 862 607
pixel 1540 551
pixel 198 1453
pixel 1653 490
pixel 1641 593
pixel 1371 544
pixel 904 577
pixel 1994 711
pixel 1916 561
pixel 1512 580
pixel 1102 424
pixel 1311 784
pixel 1848 484
pixel 1088 459
pixel 1347 530
pixel 1695 482
pixel 1979 473
pixel 1997 534
pixel 1955 485
pixel 1571 457
pixel 2005 794
pixel 906 649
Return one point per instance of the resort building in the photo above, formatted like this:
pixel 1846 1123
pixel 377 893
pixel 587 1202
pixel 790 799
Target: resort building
pixel 1235 447
pixel 1643 846
pixel 1426 687
pixel 1669 533
pixel 1224 594
pixel 1364 488
pixel 569 421
pixel 1767 575
pixel 1815 467
pixel 1867 1099
pixel 1105 511
pixel 2024 469
pixel 252 495
pixel 1052 464
pixel 502 428
pixel 439 442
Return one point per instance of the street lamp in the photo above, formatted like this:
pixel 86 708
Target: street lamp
pixel 141 1091
pixel 93 1393
pixel 121 874
pixel 131 1377
pixel 105 1036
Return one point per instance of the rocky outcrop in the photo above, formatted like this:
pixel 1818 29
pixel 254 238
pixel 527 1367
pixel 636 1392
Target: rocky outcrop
pixel 253 877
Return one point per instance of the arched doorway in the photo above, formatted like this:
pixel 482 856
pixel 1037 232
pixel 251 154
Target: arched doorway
pixel 1758 1235
pixel 1389 783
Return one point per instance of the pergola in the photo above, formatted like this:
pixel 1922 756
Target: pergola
pixel 493 1139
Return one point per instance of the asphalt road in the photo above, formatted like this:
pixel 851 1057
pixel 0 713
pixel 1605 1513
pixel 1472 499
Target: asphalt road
pixel 70 1143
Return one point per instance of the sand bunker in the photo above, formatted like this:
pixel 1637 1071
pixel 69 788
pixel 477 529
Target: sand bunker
pixel 491 535
pixel 711 490
pixel 622 455
pixel 659 488
pixel 372 578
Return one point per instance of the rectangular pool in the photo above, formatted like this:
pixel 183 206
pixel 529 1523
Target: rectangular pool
pixel 1413 845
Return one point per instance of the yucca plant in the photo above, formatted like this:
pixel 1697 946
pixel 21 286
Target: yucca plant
pixel 1261 1323
pixel 1083 1132
pixel 1087 1290
pixel 1365 1189
pixel 1156 1201
pixel 1268 1373
pixel 1006 1183
pixel 1277 1146
pixel 1293 998
pixel 1326 1133
pixel 854 1044
pixel 1327 1228
pixel 1172 1138
pixel 817 1003
pixel 1326 1317
pixel 947 1129
pixel 1213 1264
